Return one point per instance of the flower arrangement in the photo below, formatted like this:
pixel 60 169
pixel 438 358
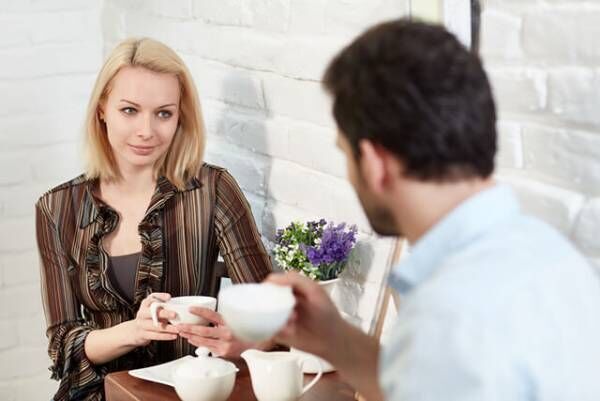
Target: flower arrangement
pixel 317 249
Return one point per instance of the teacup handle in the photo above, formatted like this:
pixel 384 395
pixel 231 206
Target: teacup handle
pixel 154 311
pixel 317 377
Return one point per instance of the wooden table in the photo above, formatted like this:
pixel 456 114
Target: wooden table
pixel 121 386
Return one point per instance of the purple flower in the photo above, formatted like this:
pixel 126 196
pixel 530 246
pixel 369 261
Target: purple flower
pixel 317 248
pixel 335 246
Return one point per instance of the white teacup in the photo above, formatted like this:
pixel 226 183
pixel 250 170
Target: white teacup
pixel 256 312
pixel 181 306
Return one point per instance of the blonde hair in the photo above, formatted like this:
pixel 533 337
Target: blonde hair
pixel 183 159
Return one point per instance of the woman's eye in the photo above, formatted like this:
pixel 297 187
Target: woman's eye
pixel 128 110
pixel 164 114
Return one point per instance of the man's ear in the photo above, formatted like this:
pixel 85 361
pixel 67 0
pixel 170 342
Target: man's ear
pixel 372 165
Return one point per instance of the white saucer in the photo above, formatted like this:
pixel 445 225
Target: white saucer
pixel 160 373
pixel 311 365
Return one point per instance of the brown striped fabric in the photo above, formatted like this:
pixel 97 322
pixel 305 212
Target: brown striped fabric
pixel 182 234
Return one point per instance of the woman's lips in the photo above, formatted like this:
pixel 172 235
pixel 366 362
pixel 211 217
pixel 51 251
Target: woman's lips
pixel 141 150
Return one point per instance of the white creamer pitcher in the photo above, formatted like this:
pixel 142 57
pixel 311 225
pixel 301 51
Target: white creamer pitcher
pixel 277 376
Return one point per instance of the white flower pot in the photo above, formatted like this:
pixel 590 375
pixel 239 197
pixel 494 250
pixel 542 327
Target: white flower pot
pixel 311 366
pixel 329 286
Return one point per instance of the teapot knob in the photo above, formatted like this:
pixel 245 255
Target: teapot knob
pixel 202 351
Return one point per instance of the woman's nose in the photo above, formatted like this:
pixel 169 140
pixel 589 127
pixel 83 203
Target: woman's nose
pixel 146 130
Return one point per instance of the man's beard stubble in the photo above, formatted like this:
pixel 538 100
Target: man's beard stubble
pixel 380 218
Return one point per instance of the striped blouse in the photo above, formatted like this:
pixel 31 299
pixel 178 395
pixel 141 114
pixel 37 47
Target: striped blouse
pixel 182 234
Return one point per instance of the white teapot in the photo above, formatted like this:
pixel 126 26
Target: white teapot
pixel 277 376
pixel 204 378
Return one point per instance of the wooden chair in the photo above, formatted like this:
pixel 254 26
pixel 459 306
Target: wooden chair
pixel 388 295
pixel 221 273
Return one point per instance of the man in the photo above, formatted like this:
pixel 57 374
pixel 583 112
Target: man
pixel 496 305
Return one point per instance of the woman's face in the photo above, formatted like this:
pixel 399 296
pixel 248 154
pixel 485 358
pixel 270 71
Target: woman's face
pixel 141 115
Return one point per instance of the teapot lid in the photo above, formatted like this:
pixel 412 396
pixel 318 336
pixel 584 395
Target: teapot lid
pixel 205 366
pixel 202 351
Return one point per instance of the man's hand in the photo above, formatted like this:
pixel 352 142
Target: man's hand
pixel 315 322
pixel 217 338
pixel 317 327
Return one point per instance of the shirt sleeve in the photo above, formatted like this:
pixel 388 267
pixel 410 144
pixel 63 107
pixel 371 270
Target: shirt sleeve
pixel 443 356
pixel 238 238
pixel 66 327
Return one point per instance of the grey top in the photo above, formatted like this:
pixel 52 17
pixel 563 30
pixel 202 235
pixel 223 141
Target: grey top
pixel 121 273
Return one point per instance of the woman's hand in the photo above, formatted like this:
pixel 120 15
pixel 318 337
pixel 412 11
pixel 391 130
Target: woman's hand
pixel 143 327
pixel 217 338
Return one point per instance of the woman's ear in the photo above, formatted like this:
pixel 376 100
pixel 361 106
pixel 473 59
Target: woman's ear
pixel 100 112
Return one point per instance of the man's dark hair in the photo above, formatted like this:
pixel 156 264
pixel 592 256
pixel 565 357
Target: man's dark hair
pixel 416 90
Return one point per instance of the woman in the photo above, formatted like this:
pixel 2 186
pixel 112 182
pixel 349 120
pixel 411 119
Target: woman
pixel 145 222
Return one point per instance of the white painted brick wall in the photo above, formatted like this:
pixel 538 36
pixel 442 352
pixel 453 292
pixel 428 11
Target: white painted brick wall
pixel 8 335
pixel 510 145
pixel 49 52
pixel 257 64
pixel 504 31
pixel 560 207
pixel 566 156
pixel 574 94
pixel 19 268
pixel 543 58
pixel 566 33
pixel 586 231
pixel 519 89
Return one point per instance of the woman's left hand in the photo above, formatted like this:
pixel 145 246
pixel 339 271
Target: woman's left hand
pixel 217 338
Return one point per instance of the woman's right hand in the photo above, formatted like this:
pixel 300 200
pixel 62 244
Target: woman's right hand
pixel 143 327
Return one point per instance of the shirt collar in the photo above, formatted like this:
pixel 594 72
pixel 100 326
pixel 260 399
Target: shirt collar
pixel 91 207
pixel 473 217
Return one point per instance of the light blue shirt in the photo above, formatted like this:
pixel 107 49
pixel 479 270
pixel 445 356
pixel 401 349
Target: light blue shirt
pixel 495 305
